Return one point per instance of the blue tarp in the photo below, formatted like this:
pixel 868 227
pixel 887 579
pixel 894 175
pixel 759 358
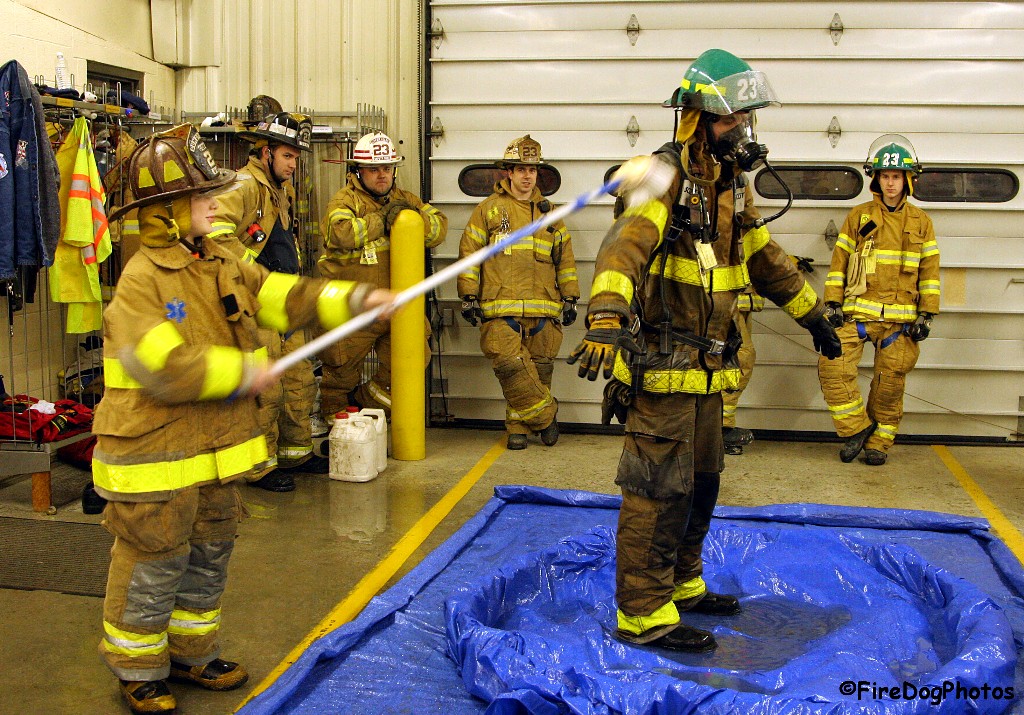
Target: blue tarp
pixel 514 613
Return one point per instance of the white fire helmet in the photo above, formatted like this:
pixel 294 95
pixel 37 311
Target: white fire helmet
pixel 375 150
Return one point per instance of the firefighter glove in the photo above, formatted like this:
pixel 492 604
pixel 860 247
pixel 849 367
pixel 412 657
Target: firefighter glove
pixel 615 403
pixel 392 210
pixel 920 328
pixel 598 348
pixel 834 314
pixel 825 339
pixel 471 310
pixel 803 263
pixel 568 312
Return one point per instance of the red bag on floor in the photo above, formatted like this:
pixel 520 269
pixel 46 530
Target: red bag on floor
pixel 78 453
pixel 17 421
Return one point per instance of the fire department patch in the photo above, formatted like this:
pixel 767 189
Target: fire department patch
pixel 176 310
pixel 3 166
pixel 21 157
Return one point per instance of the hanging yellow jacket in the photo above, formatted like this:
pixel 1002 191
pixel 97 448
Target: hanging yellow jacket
pixel 900 266
pixel 530 278
pixel 84 237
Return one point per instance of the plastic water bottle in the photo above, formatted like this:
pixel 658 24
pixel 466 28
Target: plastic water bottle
pixel 380 424
pixel 61 73
pixel 353 454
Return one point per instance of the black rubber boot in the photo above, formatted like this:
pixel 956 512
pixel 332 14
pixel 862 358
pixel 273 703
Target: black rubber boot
pixel 516 441
pixel 875 457
pixel 92 503
pixel 148 696
pixel 275 481
pixel 855 443
pixel 682 638
pixel 716 604
pixel 216 675
pixel 313 465
pixel 549 435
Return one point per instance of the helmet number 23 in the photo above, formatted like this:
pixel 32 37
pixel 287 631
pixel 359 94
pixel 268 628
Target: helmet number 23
pixel 891 159
pixel 747 89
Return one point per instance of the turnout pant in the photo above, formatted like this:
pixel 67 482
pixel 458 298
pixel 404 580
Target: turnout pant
pixel 343 370
pixel 522 352
pixel 895 356
pixel 746 357
pixel 285 408
pixel 669 476
pixel 168 569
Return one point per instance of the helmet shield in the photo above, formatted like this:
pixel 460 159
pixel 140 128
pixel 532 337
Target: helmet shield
pixel 891 152
pixel 738 92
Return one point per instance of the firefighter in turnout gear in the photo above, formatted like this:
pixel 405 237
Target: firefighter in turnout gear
pixel 255 221
pixel 747 303
pixel 178 424
pixel 882 287
pixel 521 297
pixel 661 321
pixel 356 233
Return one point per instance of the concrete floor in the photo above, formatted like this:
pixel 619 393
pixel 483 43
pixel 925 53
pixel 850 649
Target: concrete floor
pixel 301 553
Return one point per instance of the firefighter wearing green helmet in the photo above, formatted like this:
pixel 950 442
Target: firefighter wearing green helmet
pixel 882 287
pixel 661 324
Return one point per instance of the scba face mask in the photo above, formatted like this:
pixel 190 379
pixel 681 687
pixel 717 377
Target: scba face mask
pixel 739 145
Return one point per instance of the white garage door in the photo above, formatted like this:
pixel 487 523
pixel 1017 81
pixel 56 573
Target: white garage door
pixel 578 76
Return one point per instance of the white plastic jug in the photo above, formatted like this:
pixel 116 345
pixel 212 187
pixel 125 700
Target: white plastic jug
pixel 380 424
pixel 353 449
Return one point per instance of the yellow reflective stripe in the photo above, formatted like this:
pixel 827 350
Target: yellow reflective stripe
pixel 802 304
pixel 156 345
pixel 872 309
pixel 653 210
pixel 845 243
pixel 930 248
pixel 186 623
pixel 757 304
pixel 728 410
pixel 612 282
pixel 132 644
pixel 358 224
pixel 273 295
pixel 180 473
pixel 222 228
pixel 755 239
pixel 529 411
pixel 889 258
pixel 225 367
pixel 129 227
pixel 332 304
pixel 855 407
pixel 478 236
pixel 680 270
pixel 886 431
pixel 668 381
pixel 294 452
pixel 665 616
pixel 750 302
pixel 835 278
pixel 114 375
pixel 566 274
pixel 250 255
pixel 542 246
pixel 472 274
pixel 689 589
pixel 378 393
pixel 928 287
pixel 526 308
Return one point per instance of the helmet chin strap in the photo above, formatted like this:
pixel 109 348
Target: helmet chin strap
pixel 271 169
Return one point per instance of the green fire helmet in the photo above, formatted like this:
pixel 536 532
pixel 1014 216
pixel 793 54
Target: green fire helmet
pixel 721 83
pixel 892 152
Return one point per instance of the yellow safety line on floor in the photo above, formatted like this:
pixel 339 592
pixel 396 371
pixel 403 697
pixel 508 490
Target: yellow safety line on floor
pixel 373 582
pixel 1000 524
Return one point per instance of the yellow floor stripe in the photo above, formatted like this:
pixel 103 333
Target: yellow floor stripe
pixel 1000 524
pixel 373 582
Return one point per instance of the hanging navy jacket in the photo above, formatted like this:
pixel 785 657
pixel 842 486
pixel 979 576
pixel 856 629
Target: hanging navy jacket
pixel 29 181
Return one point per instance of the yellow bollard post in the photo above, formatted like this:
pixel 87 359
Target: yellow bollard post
pixel 408 342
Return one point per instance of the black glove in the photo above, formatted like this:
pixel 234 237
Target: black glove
pixel 921 328
pixel 391 211
pixel 825 339
pixel 834 314
pixel 568 312
pixel 615 402
pixel 803 263
pixel 471 310
pixel 598 347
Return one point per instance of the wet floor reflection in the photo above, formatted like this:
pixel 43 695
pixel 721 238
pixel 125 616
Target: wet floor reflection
pixel 359 510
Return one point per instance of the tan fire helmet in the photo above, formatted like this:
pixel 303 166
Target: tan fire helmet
pixel 522 151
